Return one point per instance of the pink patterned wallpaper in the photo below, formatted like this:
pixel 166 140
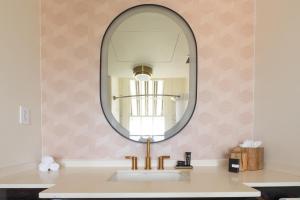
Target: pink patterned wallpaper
pixel 73 125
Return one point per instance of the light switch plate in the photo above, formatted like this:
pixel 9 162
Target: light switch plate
pixel 24 115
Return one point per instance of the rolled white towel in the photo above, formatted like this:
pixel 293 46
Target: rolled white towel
pixel 54 167
pixel 44 167
pixel 47 160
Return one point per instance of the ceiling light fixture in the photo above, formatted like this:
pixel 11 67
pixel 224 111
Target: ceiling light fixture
pixel 142 73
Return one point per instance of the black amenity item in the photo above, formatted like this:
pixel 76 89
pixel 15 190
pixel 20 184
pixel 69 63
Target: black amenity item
pixel 188 157
pixel 234 165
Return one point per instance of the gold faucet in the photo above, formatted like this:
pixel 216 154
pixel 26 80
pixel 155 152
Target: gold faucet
pixel 148 157
pixel 161 162
pixel 133 162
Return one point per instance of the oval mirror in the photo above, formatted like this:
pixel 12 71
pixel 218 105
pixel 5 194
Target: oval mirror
pixel 148 76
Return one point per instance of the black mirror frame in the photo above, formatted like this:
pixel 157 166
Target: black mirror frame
pixel 113 123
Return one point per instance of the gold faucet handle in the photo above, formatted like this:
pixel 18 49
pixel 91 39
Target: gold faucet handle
pixel 133 162
pixel 161 162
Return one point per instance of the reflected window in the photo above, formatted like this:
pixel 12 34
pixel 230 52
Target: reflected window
pixel 146 118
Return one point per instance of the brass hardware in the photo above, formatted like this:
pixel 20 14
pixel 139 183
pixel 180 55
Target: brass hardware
pixel 161 162
pixel 148 157
pixel 133 162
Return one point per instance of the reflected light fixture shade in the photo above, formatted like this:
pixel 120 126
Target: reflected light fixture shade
pixel 142 73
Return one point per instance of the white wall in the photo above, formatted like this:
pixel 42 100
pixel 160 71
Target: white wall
pixel 277 82
pixel 19 81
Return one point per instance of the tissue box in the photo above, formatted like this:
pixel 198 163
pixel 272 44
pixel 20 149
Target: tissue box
pixel 255 158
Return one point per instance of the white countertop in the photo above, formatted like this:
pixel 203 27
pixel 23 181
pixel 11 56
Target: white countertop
pixel 93 183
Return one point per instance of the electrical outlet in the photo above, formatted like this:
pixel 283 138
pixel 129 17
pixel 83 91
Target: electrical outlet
pixel 24 115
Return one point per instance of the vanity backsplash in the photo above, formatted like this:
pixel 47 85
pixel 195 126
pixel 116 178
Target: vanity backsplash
pixel 73 125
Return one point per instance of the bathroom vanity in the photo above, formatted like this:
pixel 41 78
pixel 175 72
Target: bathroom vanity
pixel 268 193
pixel 98 183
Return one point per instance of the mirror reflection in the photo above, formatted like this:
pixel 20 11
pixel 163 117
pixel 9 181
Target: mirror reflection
pixel 148 70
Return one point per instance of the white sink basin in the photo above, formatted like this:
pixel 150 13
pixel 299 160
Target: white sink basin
pixel 150 175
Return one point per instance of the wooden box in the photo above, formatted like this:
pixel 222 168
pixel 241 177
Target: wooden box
pixel 255 158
